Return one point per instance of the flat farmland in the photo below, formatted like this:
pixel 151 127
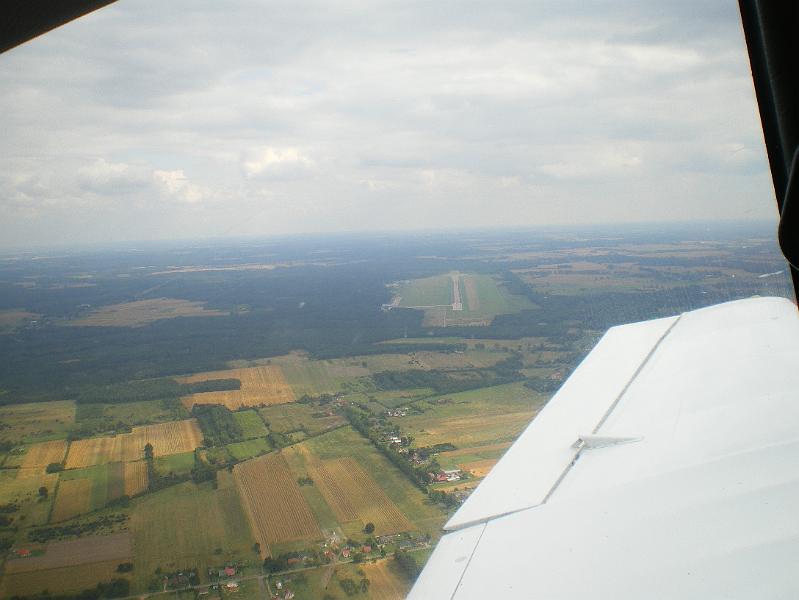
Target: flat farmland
pixel 315 377
pixel 479 468
pixel 273 502
pixel 73 498
pixel 252 426
pixel 81 551
pixel 475 418
pixel 345 443
pixel 354 495
pixel 37 421
pixel 188 525
pixel 249 448
pixel 42 454
pixel 24 492
pixel 135 476
pixel 104 481
pixel 259 386
pixel 386 581
pixel 142 312
pixel 64 579
pixel 166 438
pixel 289 418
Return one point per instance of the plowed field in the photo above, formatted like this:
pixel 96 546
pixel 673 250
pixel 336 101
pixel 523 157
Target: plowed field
pixel 259 386
pixel 354 495
pixel 42 454
pixel 274 504
pixel 135 477
pixel 166 438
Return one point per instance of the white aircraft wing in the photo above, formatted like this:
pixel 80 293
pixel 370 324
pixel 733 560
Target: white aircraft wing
pixel 666 466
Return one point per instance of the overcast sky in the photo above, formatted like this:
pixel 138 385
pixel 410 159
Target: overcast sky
pixel 163 120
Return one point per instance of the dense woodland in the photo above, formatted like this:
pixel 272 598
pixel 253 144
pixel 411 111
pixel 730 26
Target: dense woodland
pixel 327 302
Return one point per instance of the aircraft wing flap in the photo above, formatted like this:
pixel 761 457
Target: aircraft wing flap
pixel 531 468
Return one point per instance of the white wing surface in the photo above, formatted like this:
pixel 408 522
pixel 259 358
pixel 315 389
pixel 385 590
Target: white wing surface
pixel 667 466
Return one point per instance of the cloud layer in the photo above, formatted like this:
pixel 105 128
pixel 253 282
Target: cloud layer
pixel 170 120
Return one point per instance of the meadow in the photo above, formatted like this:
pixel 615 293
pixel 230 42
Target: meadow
pixel 189 525
pixel 143 312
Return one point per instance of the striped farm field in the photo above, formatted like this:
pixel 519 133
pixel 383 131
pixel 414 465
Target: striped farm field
pixel 135 474
pixel 260 386
pixel 166 438
pixel 42 454
pixel 354 495
pixel 273 502
pixel 73 498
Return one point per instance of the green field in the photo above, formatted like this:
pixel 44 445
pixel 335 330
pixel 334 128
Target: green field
pixel 37 421
pixel 482 299
pixel 290 418
pixel 429 291
pixel 252 426
pixel 474 418
pixel 189 525
pixel 179 464
pixel 249 448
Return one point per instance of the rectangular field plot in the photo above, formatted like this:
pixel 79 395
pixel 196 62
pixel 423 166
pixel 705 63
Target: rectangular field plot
pixel 37 420
pixel 42 454
pixel 386 484
pixel 63 579
pixel 74 498
pixel 475 418
pixel 252 426
pixel 354 495
pixel 135 475
pixel 299 417
pixel 260 386
pixel 188 525
pixel 142 312
pixel 274 504
pixel 166 438
pixel 85 550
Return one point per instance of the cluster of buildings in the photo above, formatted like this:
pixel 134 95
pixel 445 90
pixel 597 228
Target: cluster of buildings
pixel 446 475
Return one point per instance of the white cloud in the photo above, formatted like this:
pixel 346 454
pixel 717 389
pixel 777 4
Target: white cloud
pixel 104 176
pixel 276 162
pixel 174 185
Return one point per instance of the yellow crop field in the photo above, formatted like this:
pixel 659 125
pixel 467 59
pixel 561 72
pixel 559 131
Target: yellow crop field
pixel 42 454
pixel 273 502
pixel 73 498
pixel 135 477
pixel 479 468
pixel 354 495
pixel 259 386
pixel 385 582
pixel 166 438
